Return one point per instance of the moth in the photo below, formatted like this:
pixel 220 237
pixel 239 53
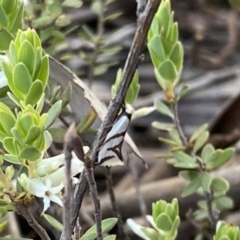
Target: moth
pixel 112 153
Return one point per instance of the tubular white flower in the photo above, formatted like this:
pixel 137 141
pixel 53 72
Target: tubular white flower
pixel 54 168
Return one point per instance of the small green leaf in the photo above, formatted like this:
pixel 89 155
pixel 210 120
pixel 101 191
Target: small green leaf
pixel 186 165
pixel 168 71
pixel 53 113
pixel 205 181
pixel 189 175
pixel 198 132
pixel 8 144
pixel 163 222
pixel 207 151
pixel 25 122
pixel 173 133
pixel 176 55
pixel 11 158
pixel 23 169
pixel 107 225
pixel 163 126
pixel 163 16
pixel 30 154
pixel 26 55
pixel 192 187
pixel 219 158
pixel 163 108
pixel 7 122
pixel 175 226
pixel 219 186
pixel 21 78
pixel 183 91
pixel 56 224
pixel 6 37
pixel 224 202
pixel 43 73
pixel 35 93
pixel 32 134
pixel 156 51
pixel 200 140
pixel 183 157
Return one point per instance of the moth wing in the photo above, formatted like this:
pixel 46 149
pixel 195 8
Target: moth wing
pixel 108 157
pixel 120 126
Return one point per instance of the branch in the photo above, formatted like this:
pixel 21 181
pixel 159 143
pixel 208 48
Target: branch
pixel 24 211
pixel 94 196
pixel 116 103
pixel 66 234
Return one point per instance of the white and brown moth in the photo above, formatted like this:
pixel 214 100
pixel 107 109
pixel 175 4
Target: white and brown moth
pixel 112 153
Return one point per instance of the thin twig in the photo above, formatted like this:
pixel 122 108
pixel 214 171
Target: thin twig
pixel 178 126
pixel 140 198
pixel 129 69
pixel 98 42
pixel 94 196
pixel 78 194
pixel 66 234
pixel 121 233
pixel 208 195
pixel 24 211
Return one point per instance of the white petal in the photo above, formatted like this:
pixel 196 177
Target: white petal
pixel 137 229
pixel 56 199
pixel 46 203
pixel 58 176
pixel 55 190
pixel 48 183
pixel 76 166
pixel 56 160
pixel 37 187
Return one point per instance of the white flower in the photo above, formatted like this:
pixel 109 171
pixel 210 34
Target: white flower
pixel 54 168
pixel 45 191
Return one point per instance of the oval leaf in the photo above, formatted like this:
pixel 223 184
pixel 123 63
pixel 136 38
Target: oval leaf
pixel 53 114
pixel 56 224
pixel 30 154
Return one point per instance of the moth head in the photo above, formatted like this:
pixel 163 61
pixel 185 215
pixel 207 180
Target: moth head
pixel 129 109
